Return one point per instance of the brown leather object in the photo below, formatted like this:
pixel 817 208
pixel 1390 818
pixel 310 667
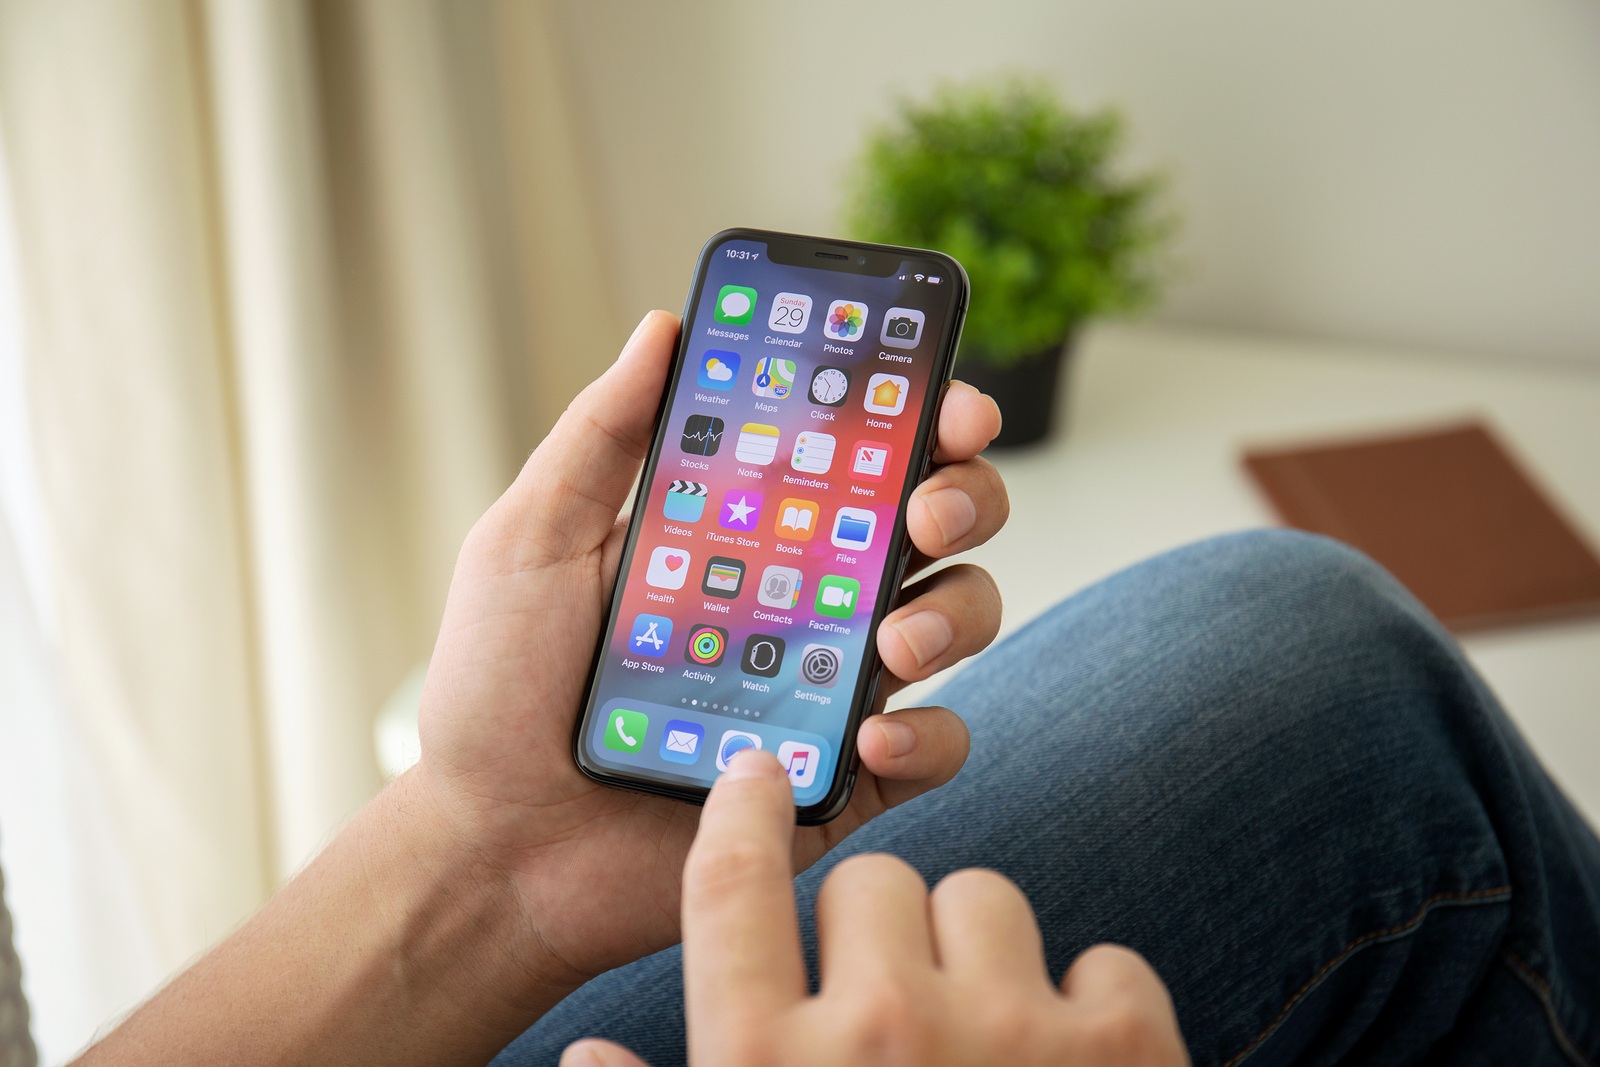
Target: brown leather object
pixel 1449 513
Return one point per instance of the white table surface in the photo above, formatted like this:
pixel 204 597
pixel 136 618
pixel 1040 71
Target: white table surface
pixel 1157 417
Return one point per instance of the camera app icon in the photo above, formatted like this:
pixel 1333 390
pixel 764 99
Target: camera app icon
pixel 902 327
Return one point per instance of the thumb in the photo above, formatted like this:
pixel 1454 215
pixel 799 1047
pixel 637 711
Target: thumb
pixel 592 1052
pixel 590 458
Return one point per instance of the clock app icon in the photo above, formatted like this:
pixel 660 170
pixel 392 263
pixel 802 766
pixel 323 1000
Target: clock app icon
pixel 829 386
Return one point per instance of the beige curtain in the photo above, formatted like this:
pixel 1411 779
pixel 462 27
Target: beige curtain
pixel 303 284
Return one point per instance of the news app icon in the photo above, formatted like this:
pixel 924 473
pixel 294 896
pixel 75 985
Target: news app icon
pixel 853 528
pixel 800 760
pixel 780 587
pixel 869 460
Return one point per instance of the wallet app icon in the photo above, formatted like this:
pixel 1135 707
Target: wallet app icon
pixel 681 743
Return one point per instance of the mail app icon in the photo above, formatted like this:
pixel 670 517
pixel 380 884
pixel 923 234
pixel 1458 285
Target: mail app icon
pixel 681 742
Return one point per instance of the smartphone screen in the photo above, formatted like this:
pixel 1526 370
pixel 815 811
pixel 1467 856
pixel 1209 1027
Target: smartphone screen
pixel 768 534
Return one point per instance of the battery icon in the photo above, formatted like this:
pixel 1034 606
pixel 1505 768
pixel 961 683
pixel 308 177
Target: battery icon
pixel 934 279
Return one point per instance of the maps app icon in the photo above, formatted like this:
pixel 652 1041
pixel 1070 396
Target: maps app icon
pixel 718 370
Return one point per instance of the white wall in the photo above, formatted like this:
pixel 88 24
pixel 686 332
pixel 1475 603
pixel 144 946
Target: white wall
pixel 1424 172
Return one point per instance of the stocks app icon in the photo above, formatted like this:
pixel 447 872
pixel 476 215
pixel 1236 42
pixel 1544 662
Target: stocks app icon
pixel 702 435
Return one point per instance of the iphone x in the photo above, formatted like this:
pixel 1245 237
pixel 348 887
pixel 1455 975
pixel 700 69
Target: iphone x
pixel 768 537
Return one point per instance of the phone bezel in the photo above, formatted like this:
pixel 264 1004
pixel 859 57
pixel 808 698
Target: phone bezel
pixel 794 250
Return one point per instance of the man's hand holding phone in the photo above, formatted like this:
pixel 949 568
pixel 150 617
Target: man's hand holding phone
pixel 956 976
pixel 590 874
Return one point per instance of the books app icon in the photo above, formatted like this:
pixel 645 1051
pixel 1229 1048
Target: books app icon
pixel 797 519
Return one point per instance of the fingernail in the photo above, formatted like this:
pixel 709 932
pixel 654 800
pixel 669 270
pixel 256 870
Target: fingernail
pixel 635 334
pixel 953 512
pixel 751 763
pixel 580 1055
pixel 927 634
pixel 898 738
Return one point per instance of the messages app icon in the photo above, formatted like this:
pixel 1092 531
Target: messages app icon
pixel 718 370
pixel 736 305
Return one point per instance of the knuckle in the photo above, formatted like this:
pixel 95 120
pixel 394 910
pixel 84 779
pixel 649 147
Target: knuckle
pixel 1123 1033
pixel 890 1025
pixel 727 870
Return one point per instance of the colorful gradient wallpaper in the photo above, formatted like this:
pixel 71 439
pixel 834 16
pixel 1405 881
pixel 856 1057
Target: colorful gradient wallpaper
pixel 748 594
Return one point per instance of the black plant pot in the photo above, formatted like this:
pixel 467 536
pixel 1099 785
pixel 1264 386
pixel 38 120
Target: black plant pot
pixel 1028 391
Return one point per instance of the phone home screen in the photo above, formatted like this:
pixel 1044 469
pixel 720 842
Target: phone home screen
pixel 762 536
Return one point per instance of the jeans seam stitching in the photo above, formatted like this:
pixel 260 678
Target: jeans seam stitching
pixel 1484 895
pixel 1540 988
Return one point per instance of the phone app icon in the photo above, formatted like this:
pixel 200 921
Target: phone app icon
pixel 847 320
pixel 797 519
pixel 902 327
pixel 741 509
pixel 681 743
pixel 706 645
pixel 813 452
pixel 774 377
pixel 625 730
pixel 853 528
pixel 718 370
pixel 668 568
pixel 763 655
pixel 819 665
pixel 829 386
pixel 736 305
pixel 800 760
pixel 886 394
pixel 686 501
pixel 870 460
pixel 758 443
pixel 702 435
pixel 780 587
pixel 790 313
pixel 836 596
pixel 734 742
pixel 650 636
pixel 724 576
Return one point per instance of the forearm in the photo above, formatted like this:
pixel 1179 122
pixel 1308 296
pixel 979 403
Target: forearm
pixel 391 947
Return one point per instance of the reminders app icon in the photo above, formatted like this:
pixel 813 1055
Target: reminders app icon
pixel 718 370
pixel 681 744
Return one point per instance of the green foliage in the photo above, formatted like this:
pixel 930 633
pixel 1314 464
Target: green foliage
pixel 1020 190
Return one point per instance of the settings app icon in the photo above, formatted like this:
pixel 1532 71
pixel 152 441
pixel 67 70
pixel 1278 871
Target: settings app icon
pixel 819 665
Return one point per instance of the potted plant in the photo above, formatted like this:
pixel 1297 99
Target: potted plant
pixel 1021 191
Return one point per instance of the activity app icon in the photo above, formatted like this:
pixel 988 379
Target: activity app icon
pixel 736 305
pixel 706 645
pixel 650 636
pixel 686 501
pixel 668 569
pixel 718 370
pixel 681 742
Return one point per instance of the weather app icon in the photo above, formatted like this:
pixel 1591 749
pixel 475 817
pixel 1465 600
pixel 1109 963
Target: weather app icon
pixel 718 370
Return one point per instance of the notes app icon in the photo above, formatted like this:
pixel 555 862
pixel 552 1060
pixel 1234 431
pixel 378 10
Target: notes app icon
pixel 797 519
pixel 758 443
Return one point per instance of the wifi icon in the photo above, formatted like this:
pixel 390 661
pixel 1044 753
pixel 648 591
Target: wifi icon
pixel 919 277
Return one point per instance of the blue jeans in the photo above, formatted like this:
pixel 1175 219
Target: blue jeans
pixel 1259 762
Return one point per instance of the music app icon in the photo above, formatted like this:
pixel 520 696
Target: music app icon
pixel 801 761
